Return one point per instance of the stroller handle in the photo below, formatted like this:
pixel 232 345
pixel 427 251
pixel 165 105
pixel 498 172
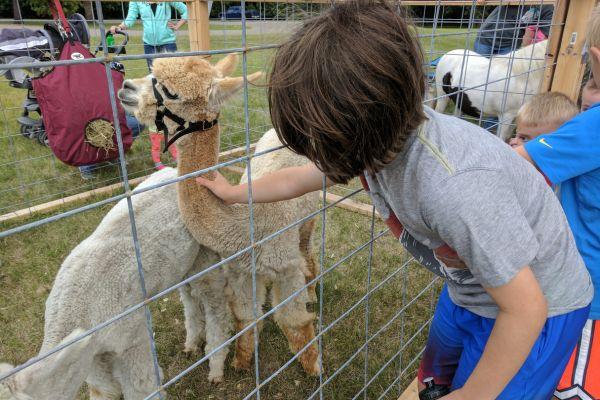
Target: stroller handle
pixel 118 49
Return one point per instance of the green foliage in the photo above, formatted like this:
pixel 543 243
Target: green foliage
pixel 41 9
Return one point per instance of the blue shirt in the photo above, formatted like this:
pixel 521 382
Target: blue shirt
pixel 570 157
pixel 156 31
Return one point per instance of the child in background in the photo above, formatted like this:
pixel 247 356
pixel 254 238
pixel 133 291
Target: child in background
pixel 590 95
pixel 544 113
pixel 570 157
pixel 159 36
pixel 346 91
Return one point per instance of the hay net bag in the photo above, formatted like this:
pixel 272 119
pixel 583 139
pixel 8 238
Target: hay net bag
pixel 76 109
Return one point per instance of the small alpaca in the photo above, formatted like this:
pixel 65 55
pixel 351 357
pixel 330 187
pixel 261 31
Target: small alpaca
pixel 99 279
pixel 193 88
pixel 513 78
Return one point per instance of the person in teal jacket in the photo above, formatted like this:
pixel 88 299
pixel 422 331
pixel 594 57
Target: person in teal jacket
pixel 158 37
pixel 159 29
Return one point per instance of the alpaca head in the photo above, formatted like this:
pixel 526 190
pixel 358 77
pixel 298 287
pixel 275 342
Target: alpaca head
pixel 50 378
pixel 190 87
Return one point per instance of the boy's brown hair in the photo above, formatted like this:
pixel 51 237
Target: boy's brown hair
pixel 547 108
pixel 346 89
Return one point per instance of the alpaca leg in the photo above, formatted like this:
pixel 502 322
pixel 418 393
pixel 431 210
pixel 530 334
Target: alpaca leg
pixel 194 319
pixel 240 301
pixel 101 380
pixel 312 267
pixel 442 100
pixel 209 291
pixel 135 370
pixel 294 320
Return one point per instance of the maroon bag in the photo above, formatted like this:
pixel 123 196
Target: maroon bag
pixel 76 109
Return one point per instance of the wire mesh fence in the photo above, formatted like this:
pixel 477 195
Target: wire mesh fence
pixel 361 332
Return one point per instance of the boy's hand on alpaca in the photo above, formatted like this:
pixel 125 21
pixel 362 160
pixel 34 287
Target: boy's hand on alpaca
pixel 220 187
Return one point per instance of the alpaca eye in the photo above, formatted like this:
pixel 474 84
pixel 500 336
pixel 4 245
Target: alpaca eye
pixel 169 94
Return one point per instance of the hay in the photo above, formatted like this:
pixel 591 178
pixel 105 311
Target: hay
pixel 99 133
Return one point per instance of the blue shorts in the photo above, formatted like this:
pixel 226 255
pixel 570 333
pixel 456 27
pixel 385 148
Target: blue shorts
pixel 457 338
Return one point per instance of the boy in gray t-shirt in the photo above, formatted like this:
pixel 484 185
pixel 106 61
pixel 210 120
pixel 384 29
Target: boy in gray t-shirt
pixel 346 91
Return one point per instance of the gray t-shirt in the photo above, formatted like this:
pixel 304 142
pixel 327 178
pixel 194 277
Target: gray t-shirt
pixel 457 185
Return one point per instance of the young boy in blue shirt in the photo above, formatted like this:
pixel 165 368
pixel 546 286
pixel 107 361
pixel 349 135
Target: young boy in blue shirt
pixel 570 158
pixel 346 91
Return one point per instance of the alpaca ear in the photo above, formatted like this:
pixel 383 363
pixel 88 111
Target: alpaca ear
pixel 224 88
pixel 227 65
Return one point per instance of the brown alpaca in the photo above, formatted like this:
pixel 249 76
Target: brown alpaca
pixel 195 90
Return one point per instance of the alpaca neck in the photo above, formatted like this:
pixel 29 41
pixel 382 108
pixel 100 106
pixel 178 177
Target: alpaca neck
pixel 199 150
pixel 202 212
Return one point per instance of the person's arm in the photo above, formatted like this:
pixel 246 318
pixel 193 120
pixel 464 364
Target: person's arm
pixel 477 214
pixel 285 184
pixel 570 151
pixel 132 14
pixel 522 314
pixel 179 6
pixel 528 37
pixel 546 14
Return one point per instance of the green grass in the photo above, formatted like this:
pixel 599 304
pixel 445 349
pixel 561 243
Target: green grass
pixel 31 175
pixel 30 261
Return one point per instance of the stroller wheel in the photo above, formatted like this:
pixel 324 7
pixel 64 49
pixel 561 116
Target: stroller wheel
pixel 28 131
pixel 24 131
pixel 42 137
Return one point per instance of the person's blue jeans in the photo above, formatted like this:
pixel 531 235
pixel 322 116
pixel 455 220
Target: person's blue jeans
pixel 487 51
pixel 133 124
pixel 162 48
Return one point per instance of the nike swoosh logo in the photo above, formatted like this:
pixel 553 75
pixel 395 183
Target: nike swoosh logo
pixel 543 141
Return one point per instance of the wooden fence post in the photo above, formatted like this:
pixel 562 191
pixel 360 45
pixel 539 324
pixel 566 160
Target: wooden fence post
pixel 199 25
pixel 570 65
pixel 556 34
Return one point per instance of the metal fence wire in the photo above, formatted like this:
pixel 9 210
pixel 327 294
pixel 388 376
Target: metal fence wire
pixel 373 302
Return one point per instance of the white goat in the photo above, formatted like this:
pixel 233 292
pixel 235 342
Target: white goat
pixel 99 279
pixel 495 86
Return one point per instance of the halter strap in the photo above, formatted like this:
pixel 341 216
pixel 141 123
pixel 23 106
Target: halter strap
pixel 184 127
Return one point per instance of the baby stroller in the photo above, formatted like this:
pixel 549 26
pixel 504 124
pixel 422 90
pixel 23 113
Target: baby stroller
pixel 20 46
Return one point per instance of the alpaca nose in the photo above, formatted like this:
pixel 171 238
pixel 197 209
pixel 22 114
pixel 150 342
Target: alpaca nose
pixel 129 85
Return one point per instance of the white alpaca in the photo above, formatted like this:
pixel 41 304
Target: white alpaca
pixel 99 279
pixel 513 78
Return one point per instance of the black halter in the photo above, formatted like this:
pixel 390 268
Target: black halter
pixel 184 127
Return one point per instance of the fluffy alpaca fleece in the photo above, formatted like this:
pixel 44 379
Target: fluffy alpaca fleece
pixel 195 90
pixel 513 78
pixel 99 279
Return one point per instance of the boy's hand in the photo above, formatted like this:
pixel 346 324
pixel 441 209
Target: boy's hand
pixel 172 25
pixel 220 187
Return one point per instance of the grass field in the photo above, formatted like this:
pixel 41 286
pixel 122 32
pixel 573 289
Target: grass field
pixel 31 175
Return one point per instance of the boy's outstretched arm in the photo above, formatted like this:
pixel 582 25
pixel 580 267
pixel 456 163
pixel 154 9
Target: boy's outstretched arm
pixel 285 184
